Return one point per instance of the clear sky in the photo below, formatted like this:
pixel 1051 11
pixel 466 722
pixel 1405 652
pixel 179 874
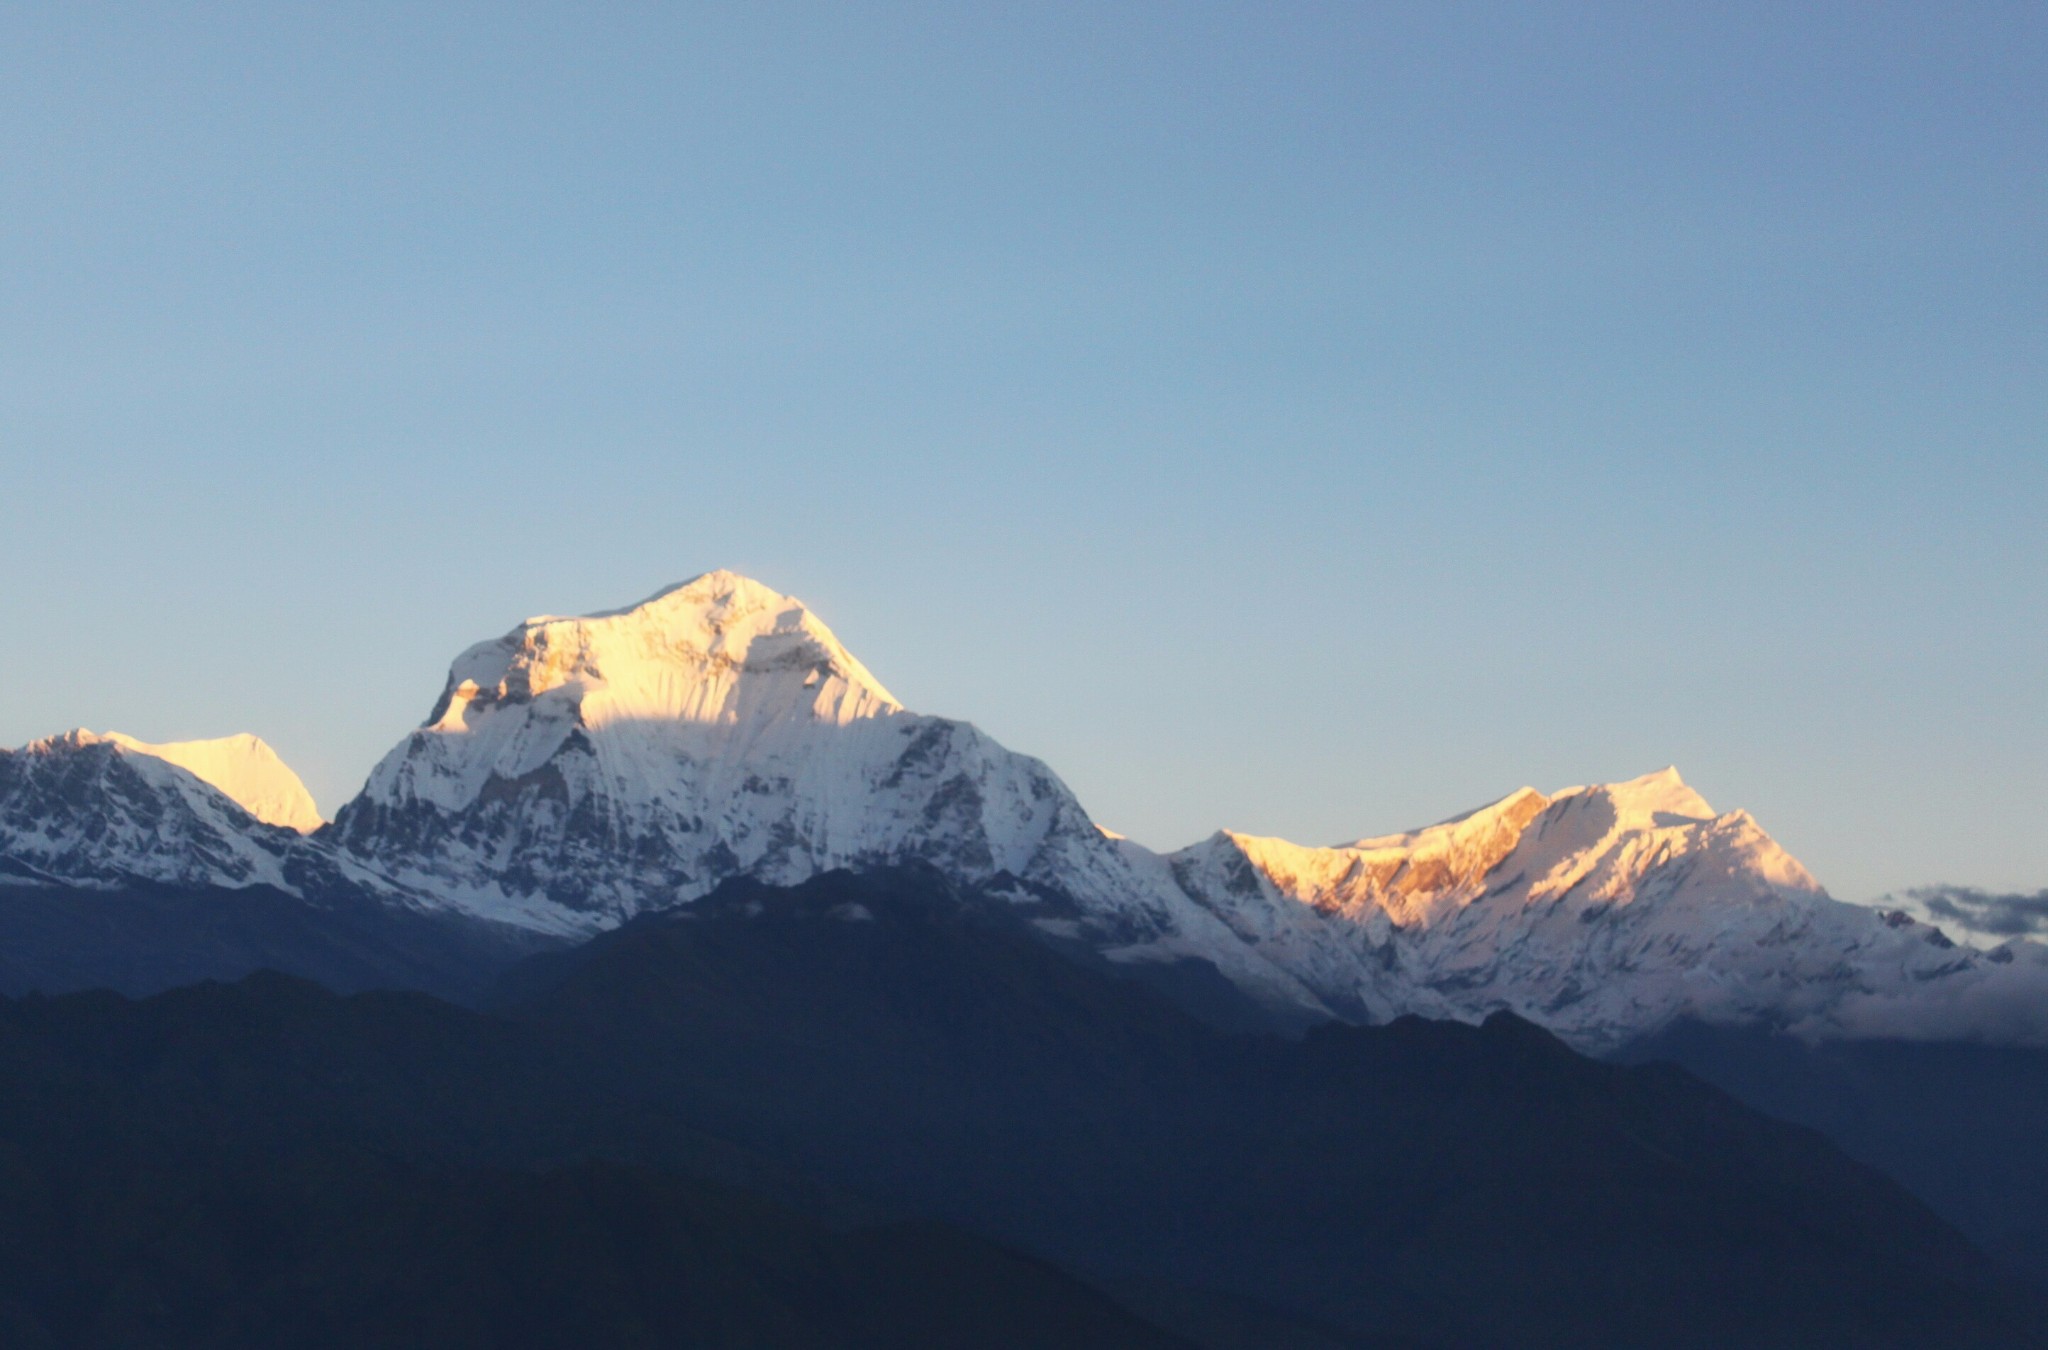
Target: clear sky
pixel 1311 419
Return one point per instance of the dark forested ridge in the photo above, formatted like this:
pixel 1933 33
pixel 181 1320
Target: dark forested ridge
pixel 268 1164
pixel 773 1117
pixel 142 938
pixel 1963 1126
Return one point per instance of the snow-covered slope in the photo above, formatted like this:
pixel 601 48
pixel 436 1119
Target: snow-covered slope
pixel 244 768
pixel 579 770
pixel 90 810
pixel 1601 912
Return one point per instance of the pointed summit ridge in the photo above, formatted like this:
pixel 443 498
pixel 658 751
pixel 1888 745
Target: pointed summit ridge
pixel 1660 797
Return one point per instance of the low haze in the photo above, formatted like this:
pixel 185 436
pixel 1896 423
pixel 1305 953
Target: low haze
pixel 1312 421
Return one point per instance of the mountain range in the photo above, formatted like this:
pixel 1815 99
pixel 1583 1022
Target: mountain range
pixel 578 771
pixel 674 984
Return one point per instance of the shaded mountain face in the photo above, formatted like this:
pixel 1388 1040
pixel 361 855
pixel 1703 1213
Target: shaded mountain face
pixel 141 940
pixel 1451 1185
pixel 1432 1182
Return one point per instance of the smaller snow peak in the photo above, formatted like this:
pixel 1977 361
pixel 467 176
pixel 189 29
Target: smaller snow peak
pixel 242 768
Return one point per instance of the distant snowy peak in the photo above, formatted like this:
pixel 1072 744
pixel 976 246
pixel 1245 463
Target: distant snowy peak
pixel 1593 838
pixel 243 767
pixel 1601 912
pixel 108 810
pixel 1402 874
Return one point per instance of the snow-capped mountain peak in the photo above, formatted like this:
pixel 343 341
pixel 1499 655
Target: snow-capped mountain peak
pixel 718 670
pixel 244 768
pixel 1657 797
pixel 579 770
pixel 1601 912
pixel 106 810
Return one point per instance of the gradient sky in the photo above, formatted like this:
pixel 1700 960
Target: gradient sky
pixel 1312 419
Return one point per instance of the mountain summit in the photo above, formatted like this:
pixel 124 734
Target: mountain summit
pixel 578 771
pixel 243 768
pixel 718 650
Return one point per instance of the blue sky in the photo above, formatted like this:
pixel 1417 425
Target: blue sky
pixel 1311 419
